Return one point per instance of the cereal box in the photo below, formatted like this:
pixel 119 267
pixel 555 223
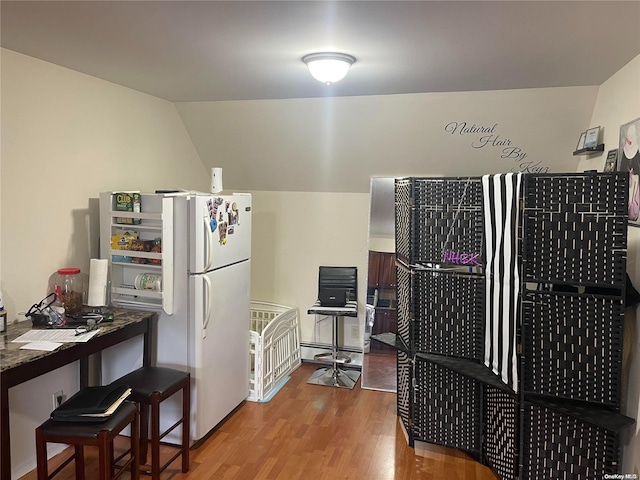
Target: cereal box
pixel 127 202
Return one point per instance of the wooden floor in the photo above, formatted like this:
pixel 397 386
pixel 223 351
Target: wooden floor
pixel 314 432
pixel 379 371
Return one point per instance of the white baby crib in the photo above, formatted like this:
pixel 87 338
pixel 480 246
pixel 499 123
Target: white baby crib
pixel 274 347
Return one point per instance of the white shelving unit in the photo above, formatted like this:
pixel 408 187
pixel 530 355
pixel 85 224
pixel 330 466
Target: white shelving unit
pixel 156 221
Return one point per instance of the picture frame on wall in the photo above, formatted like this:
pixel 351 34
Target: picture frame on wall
pixel 580 145
pixel 629 161
pixel 611 163
pixel 591 137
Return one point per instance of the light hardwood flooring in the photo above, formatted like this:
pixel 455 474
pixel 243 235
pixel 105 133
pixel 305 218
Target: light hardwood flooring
pixel 313 432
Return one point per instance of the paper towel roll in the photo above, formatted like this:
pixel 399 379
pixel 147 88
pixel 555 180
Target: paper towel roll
pixel 216 180
pixel 97 295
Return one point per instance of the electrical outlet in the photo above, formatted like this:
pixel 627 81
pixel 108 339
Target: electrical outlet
pixel 58 399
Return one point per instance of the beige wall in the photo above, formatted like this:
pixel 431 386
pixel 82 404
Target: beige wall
pixel 65 138
pixel 618 103
pixel 338 144
pixel 296 232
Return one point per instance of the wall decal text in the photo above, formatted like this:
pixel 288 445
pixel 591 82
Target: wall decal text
pixel 487 137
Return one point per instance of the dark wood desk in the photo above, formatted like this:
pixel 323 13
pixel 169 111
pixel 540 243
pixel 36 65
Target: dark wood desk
pixel 18 366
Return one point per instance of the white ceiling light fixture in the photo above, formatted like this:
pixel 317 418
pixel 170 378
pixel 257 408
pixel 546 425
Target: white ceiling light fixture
pixel 328 67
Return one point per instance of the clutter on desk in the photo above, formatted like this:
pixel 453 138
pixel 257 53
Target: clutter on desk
pixel 58 335
pixel 45 313
pixel 69 286
pixel 43 345
pixel 49 313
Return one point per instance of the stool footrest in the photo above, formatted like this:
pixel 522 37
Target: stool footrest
pixel 170 429
pixel 166 464
pixel 330 358
pixel 62 465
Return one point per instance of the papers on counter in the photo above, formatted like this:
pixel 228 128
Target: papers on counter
pixel 62 335
pixel 41 345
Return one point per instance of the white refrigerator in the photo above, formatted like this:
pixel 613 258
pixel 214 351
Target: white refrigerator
pixel 207 332
pixel 218 309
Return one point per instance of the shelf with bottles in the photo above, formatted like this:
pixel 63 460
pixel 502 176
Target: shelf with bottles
pixel 136 243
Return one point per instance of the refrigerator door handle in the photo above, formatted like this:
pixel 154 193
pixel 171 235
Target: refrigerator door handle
pixel 208 241
pixel 207 302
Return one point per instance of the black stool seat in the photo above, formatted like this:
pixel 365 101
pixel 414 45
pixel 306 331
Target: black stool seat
pixel 148 380
pixel 115 424
pixel 98 434
pixel 149 387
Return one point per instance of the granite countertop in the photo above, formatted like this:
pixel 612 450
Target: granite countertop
pixel 11 356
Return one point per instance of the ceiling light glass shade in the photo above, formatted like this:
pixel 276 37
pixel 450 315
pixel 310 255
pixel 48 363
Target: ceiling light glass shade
pixel 328 67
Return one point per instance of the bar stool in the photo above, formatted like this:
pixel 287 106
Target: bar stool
pixel 333 375
pixel 150 386
pixel 335 281
pixel 98 434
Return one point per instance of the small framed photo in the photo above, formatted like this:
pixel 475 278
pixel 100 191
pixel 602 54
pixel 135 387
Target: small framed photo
pixel 591 139
pixel 580 145
pixel 611 163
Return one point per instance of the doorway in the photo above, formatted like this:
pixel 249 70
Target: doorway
pixel 379 360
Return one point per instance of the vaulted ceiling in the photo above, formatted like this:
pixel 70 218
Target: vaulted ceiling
pixel 240 50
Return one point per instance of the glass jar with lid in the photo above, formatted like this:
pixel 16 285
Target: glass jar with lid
pixel 68 284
